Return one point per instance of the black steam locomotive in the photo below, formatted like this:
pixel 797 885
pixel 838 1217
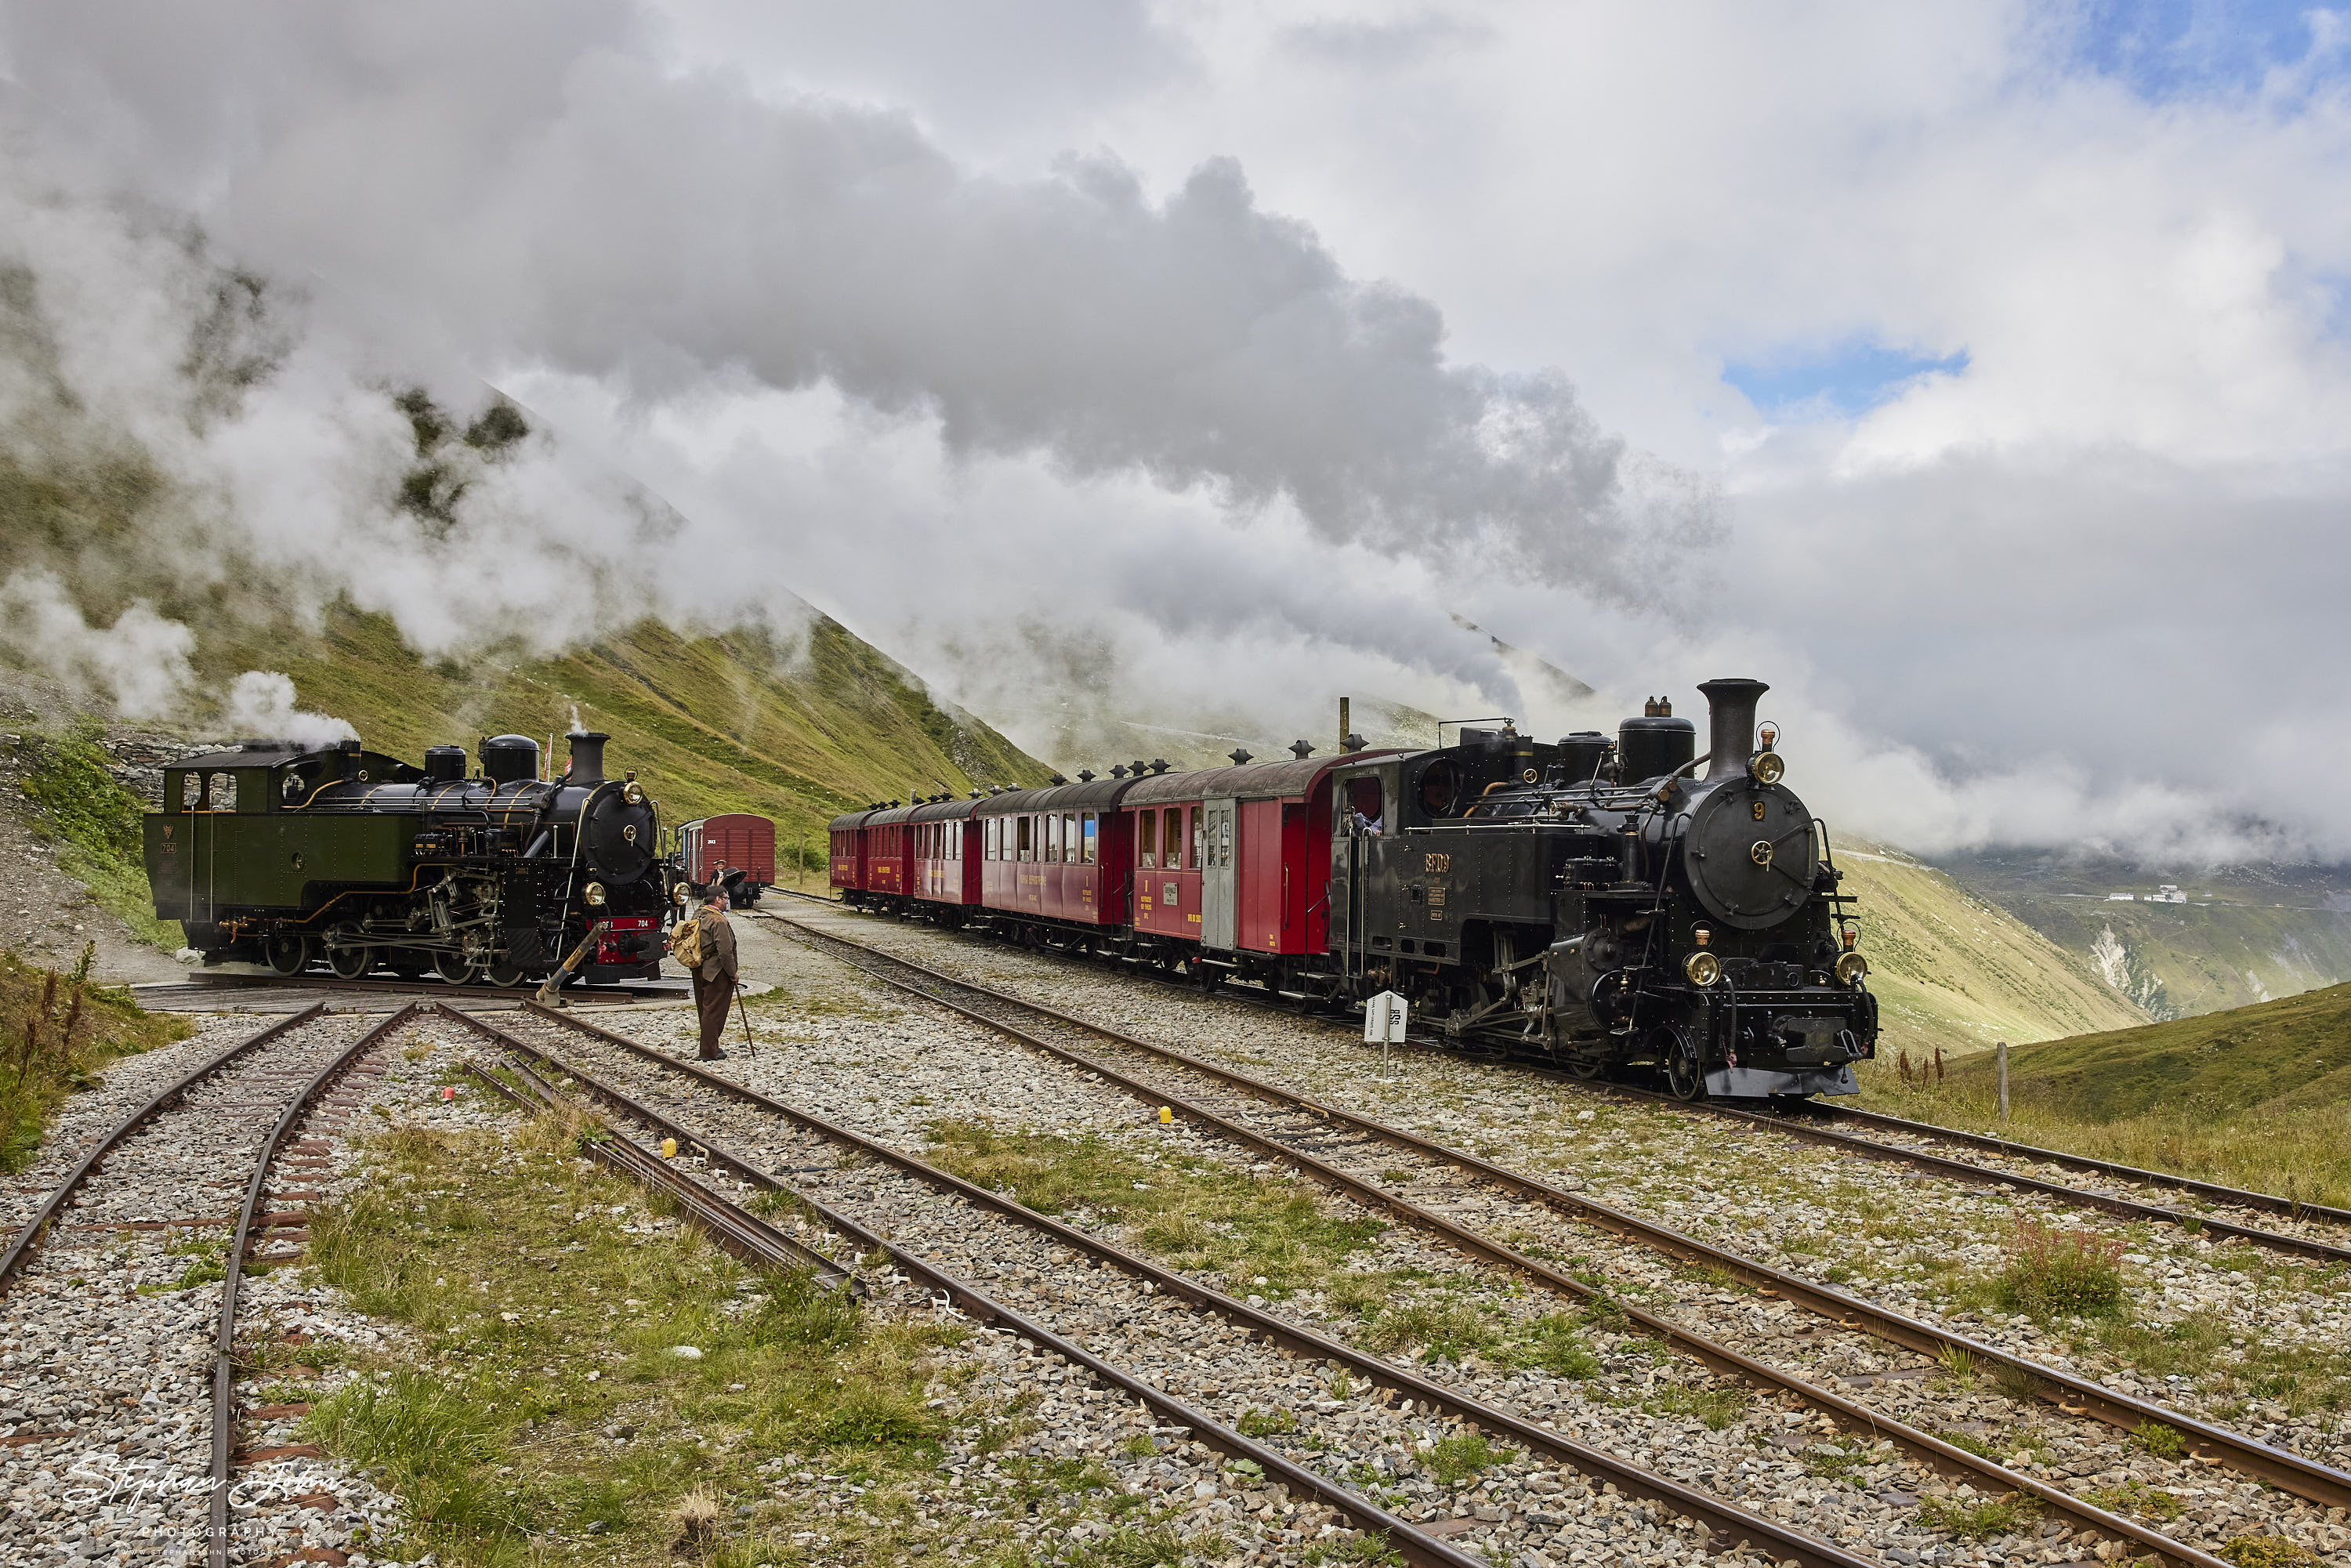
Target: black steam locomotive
pixel 290 856
pixel 1601 904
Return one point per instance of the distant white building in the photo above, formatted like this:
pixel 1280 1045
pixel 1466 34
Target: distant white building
pixel 2166 893
pixel 2120 897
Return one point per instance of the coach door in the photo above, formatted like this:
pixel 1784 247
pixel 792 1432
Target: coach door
pixel 1217 870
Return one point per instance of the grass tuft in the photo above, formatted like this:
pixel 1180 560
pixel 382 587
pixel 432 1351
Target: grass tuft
pixel 1455 1459
pixel 1980 1520
pixel 57 1029
pixel 2054 1273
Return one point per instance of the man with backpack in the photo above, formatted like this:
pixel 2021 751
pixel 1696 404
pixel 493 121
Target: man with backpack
pixel 705 947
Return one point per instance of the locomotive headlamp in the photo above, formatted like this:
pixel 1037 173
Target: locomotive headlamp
pixel 594 894
pixel 1851 967
pixel 1766 766
pixel 634 793
pixel 1702 969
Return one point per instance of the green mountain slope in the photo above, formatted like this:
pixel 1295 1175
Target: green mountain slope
pixel 2243 933
pixel 1955 972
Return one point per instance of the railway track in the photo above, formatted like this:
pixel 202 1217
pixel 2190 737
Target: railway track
pixel 1338 1149
pixel 2310 1244
pixel 241 1108
pixel 211 991
pixel 971 1232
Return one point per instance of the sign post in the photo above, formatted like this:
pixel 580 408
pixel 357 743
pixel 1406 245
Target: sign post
pixel 1384 1018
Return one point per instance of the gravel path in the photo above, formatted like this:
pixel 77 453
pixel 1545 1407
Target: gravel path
pixel 1678 1171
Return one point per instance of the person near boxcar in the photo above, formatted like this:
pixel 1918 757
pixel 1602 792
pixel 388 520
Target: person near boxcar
pixel 715 977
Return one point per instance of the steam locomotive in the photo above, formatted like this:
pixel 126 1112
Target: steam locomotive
pixel 275 853
pixel 1595 903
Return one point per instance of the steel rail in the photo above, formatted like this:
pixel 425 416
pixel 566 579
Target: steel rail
pixel 2073 1396
pixel 1931 1451
pixel 733 1229
pixel 27 1237
pixel 225 1346
pixel 1968 1172
pixel 2237 1198
pixel 1727 1520
pixel 1418 1548
pixel 2271 1203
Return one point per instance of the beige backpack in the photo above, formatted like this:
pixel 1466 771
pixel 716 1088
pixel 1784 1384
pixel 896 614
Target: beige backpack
pixel 685 943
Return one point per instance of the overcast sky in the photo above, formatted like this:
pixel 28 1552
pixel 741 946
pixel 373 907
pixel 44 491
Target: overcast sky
pixel 1973 373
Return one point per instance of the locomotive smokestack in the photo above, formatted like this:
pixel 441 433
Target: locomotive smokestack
pixel 588 754
pixel 1730 724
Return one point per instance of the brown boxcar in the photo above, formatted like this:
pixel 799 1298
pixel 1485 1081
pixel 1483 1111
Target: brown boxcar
pixel 737 839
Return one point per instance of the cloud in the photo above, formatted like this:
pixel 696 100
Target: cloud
pixel 1248 401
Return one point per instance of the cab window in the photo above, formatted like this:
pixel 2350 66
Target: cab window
pixel 1366 807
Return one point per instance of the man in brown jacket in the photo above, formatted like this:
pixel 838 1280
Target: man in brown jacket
pixel 714 980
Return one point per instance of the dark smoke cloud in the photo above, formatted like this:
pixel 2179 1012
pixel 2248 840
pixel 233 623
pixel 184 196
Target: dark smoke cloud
pixel 528 186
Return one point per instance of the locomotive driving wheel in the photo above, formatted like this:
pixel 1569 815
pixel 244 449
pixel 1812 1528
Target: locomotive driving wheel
pixel 454 967
pixel 289 952
pixel 1685 1065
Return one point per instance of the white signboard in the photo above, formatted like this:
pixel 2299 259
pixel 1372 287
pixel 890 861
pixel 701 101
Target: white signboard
pixel 1384 1017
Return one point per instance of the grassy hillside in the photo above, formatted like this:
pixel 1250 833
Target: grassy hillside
pixel 798 732
pixel 2257 1096
pixel 1954 970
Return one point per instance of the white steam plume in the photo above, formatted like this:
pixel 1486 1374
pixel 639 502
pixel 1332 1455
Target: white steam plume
pixel 140 663
pixel 260 705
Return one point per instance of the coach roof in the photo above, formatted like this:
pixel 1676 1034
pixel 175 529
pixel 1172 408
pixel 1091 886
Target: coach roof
pixel 1250 781
pixel 1099 794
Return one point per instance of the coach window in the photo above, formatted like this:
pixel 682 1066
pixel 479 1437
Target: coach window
pixel 1191 818
pixel 1147 838
pixel 1091 829
pixel 1028 838
pixel 1224 838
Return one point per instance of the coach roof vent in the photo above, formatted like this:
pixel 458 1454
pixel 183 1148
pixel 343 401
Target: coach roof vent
pixel 1302 748
pixel 1159 765
pixel 1055 779
pixel 1239 754
pixel 1118 770
pixel 1085 774
pixel 1353 743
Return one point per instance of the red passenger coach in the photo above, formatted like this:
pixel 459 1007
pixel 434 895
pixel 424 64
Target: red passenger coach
pixel 846 834
pixel 1056 855
pixel 1243 857
pixel 947 862
pixel 889 854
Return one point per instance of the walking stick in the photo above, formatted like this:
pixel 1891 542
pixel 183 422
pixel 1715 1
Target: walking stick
pixel 744 1012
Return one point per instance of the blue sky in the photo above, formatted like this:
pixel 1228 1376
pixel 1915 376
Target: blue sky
pixel 1847 380
pixel 2167 49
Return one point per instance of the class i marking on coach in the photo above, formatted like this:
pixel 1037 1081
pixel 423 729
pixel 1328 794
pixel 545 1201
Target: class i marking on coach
pixel 1600 904
pixel 292 856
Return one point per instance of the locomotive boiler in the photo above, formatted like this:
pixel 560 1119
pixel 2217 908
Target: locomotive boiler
pixel 292 856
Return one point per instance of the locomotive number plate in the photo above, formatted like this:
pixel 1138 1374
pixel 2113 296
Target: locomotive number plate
pixel 1758 811
pixel 1435 866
